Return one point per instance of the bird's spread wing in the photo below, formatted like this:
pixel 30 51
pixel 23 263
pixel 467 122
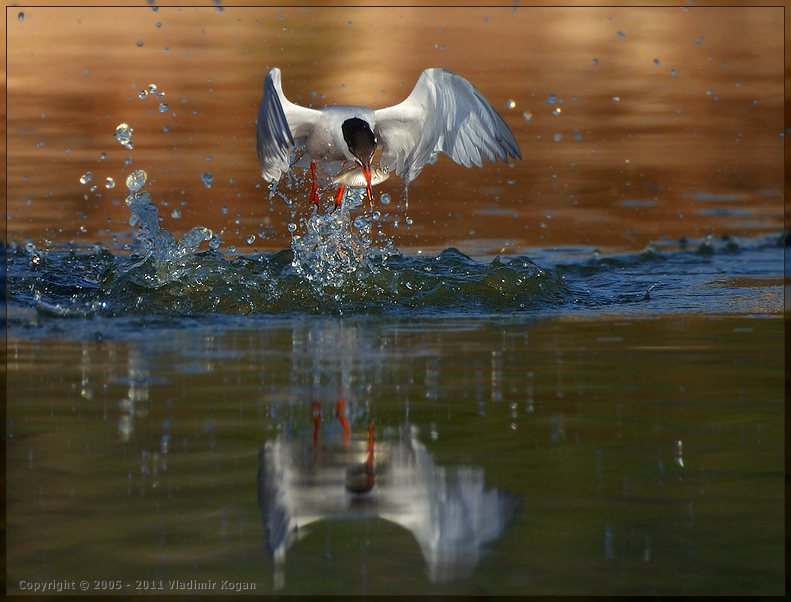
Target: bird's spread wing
pixel 444 113
pixel 281 126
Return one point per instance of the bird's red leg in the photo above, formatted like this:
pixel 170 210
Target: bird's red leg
pixel 314 197
pixel 339 195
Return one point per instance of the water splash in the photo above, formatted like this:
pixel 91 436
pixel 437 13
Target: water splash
pixel 331 251
pixel 162 253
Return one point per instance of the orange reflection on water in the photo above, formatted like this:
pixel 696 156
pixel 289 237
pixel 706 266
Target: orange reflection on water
pixel 665 122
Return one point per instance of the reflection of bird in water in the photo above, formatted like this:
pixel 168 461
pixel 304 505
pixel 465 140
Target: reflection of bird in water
pixel 449 511
pixel 444 113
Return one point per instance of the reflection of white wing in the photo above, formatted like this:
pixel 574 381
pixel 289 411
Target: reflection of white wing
pixel 449 511
pixel 281 126
pixel 444 113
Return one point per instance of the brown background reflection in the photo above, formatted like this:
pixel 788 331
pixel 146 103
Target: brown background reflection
pixel 667 123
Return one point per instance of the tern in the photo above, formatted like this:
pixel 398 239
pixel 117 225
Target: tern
pixel 443 113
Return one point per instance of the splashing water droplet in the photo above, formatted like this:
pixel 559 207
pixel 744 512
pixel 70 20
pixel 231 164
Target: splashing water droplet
pixel 85 178
pixel 123 133
pixel 136 180
pixel 207 179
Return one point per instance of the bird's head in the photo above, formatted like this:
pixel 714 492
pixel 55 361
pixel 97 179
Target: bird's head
pixel 361 142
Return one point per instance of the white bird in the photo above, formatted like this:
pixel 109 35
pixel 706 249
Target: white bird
pixel 444 113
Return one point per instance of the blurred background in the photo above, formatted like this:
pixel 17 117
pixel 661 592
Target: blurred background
pixel 635 124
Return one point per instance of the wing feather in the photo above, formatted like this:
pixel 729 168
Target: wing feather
pixel 444 113
pixel 281 126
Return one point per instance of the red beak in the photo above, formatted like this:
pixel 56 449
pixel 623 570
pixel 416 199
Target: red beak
pixel 368 189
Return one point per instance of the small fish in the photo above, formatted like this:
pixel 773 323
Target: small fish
pixel 352 177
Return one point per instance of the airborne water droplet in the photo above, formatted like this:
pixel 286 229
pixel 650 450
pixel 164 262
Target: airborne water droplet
pixel 109 183
pixel 136 180
pixel 123 133
pixel 207 179
pixel 163 107
pixel 85 178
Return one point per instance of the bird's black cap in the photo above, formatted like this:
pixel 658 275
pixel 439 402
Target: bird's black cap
pixel 360 139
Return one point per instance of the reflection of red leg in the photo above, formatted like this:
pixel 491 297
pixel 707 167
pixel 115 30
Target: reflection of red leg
pixel 339 195
pixel 342 418
pixel 316 419
pixel 314 197
pixel 369 462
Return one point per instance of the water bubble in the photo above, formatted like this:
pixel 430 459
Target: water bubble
pixel 21 16
pixel 136 180
pixel 139 43
pixel 384 199
pixel 656 62
pixel 224 209
pixel 621 34
pixel 176 214
pixel 408 221
pixel 616 98
pixel 558 137
pixel 552 99
pixel 103 156
pixel 207 180
pixel 527 115
pixel 109 183
pixel 673 72
pixel 292 227
pixel 556 111
pixel 510 104
pixel 123 133
pixel 160 94
pixel 362 223
pixel 142 94
pixel 152 88
pixel 85 178
pixel 250 239
pixel 163 107
pixel 595 61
